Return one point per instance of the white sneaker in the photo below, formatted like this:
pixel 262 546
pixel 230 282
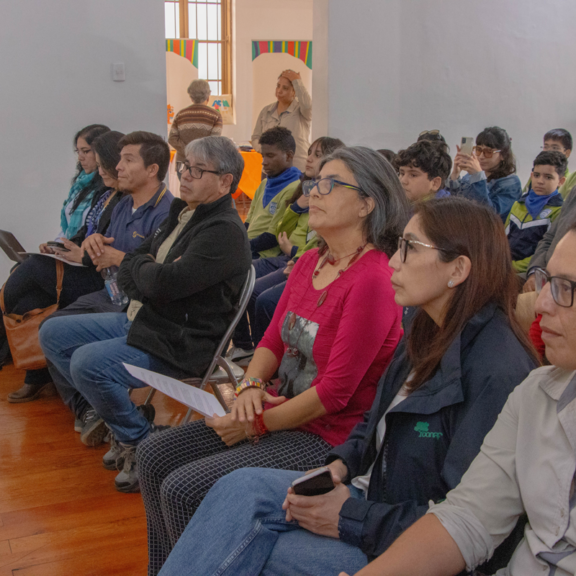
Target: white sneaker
pixel 240 356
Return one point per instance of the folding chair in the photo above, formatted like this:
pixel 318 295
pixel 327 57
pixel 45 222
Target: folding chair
pixel 224 374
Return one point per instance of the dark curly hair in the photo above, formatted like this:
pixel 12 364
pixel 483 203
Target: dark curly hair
pixel 552 158
pixel 429 156
pixel 280 137
pixel 498 139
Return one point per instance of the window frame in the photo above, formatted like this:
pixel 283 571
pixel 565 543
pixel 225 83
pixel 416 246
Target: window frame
pixel 225 38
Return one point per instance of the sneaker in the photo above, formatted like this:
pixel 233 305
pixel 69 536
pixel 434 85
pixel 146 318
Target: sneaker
pixel 94 429
pixel 78 425
pixel 240 356
pixel 127 481
pixel 114 458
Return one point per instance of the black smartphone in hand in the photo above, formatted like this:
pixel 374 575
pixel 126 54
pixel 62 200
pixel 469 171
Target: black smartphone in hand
pixel 57 246
pixel 313 484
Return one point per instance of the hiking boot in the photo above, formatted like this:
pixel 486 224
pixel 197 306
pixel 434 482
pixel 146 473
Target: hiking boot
pixel 94 429
pixel 28 392
pixel 127 480
pixel 240 356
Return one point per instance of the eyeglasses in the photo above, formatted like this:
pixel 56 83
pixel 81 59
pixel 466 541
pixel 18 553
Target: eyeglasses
pixel 82 151
pixel 487 152
pixel 404 244
pixel 325 186
pixel 553 148
pixel 194 171
pixel 562 289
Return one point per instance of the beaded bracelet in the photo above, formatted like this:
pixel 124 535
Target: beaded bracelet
pixel 249 382
pixel 258 428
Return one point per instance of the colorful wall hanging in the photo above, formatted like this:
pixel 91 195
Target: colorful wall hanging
pixel 186 48
pixel 301 50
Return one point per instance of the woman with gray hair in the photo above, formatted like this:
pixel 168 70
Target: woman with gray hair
pixel 196 121
pixel 333 334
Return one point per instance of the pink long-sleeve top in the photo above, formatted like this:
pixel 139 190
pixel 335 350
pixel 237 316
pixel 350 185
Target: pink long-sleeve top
pixel 341 347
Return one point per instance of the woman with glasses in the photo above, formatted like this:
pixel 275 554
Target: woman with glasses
pixel 526 465
pixel 333 334
pixel 491 172
pixel 462 355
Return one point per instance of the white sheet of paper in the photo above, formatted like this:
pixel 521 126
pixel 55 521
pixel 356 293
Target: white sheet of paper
pixel 199 400
pixel 55 256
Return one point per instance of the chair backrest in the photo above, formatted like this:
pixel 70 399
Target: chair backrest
pixel 247 290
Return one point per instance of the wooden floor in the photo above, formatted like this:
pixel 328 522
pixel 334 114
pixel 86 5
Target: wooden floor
pixel 59 512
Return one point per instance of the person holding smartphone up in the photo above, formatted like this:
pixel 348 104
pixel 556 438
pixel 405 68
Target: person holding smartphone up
pixel 491 172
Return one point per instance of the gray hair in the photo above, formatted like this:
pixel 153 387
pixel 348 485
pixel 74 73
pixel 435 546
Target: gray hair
pixel 199 91
pixel 378 180
pixel 221 154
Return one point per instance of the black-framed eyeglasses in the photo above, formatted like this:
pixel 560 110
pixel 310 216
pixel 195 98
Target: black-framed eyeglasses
pixel 325 186
pixel 562 289
pixel 405 244
pixel 194 171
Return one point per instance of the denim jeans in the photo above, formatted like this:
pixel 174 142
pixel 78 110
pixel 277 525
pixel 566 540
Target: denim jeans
pixel 265 307
pixel 240 528
pixel 269 273
pixel 88 351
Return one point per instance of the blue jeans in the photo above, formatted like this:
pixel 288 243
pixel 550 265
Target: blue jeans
pixel 265 307
pixel 240 528
pixel 88 351
pixel 269 273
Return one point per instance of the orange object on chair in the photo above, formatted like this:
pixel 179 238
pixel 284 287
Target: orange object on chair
pixel 252 175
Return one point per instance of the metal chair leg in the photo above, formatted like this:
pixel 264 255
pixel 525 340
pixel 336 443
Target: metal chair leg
pixel 149 397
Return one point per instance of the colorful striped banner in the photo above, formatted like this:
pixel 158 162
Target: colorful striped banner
pixel 186 48
pixel 296 48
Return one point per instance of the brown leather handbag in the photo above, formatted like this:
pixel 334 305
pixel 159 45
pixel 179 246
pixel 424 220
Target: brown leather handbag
pixel 22 331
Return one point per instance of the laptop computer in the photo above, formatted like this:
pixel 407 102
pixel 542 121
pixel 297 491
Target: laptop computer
pixel 12 248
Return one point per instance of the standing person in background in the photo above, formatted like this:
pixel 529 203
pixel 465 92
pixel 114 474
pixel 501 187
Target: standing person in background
pixel 491 168
pixel 293 110
pixel 196 121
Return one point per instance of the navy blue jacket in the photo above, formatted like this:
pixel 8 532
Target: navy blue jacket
pixel 433 435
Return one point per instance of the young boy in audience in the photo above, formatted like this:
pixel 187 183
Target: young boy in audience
pixel 558 140
pixel 532 215
pixel 271 197
pixel 423 169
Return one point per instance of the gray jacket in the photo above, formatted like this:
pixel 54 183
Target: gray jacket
pixel 555 233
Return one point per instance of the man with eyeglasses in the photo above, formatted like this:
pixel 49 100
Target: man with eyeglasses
pixel 526 465
pixel 184 282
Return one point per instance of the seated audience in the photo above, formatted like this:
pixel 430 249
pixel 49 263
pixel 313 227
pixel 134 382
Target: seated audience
pixel 558 140
pixel 32 284
pixel 526 464
pixel 423 169
pixel 451 375
pixel 141 162
pixel 196 121
pixel 328 347
pixel 491 172
pixel 294 237
pixel 183 281
pixel 531 216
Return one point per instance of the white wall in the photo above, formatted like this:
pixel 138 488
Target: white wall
pixel 398 67
pixel 56 78
pixel 262 20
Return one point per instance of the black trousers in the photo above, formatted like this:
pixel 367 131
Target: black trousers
pixel 32 284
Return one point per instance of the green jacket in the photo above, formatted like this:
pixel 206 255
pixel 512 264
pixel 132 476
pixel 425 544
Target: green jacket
pixel 299 233
pixel 263 219
pixel 524 232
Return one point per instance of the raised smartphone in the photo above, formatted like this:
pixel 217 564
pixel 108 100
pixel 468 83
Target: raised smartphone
pixel 466 145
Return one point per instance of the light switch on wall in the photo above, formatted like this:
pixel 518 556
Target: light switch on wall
pixel 118 72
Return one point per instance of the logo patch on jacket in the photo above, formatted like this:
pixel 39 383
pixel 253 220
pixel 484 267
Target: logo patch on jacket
pixel 545 213
pixel 273 208
pixel 422 429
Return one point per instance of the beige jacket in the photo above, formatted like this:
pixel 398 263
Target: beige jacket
pixel 296 118
pixel 526 464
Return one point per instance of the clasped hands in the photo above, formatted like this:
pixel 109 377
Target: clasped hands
pixel 101 253
pixel 237 425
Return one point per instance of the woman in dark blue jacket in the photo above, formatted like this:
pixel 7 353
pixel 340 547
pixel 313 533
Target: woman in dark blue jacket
pixel 462 355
